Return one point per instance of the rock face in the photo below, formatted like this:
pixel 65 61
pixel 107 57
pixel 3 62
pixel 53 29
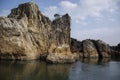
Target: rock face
pixel 76 46
pixel 90 48
pixel 27 34
pixel 116 48
pixel 115 51
pixel 102 48
pixel 59 51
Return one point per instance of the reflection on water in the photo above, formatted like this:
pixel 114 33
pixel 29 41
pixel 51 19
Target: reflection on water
pixel 94 69
pixel 95 60
pixel 85 69
pixel 32 70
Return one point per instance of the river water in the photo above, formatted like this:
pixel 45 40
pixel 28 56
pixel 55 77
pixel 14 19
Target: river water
pixel 84 69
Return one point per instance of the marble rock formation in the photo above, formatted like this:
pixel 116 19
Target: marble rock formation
pixel 90 48
pixel 76 47
pixel 102 48
pixel 27 34
pixel 115 51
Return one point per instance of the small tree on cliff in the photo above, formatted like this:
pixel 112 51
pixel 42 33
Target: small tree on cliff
pixel 56 16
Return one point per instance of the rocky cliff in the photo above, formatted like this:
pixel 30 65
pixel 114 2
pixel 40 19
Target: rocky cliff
pixel 90 48
pixel 116 48
pixel 27 34
pixel 116 51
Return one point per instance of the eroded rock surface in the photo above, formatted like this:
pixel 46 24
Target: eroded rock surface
pixel 27 34
pixel 102 48
pixel 115 51
pixel 90 48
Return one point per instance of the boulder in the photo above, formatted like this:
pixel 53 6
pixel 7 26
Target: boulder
pixel 89 49
pixel 102 48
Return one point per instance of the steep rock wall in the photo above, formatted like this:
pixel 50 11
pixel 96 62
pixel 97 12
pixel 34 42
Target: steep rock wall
pixel 27 34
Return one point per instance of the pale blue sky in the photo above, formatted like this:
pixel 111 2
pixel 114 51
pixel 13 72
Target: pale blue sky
pixel 91 19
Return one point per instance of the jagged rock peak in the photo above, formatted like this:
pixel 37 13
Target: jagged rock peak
pixel 29 9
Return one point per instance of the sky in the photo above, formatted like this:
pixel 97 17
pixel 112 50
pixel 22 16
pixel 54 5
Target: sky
pixel 90 19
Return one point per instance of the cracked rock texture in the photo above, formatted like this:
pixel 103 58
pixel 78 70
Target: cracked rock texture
pixel 27 34
pixel 91 48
